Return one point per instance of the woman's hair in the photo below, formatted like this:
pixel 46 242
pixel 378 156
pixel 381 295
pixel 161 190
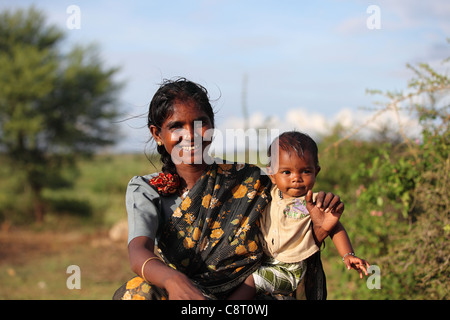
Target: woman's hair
pixel 161 107
pixel 297 142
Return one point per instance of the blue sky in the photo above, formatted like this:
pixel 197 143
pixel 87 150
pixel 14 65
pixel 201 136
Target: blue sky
pixel 310 60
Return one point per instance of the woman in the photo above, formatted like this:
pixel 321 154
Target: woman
pixel 201 214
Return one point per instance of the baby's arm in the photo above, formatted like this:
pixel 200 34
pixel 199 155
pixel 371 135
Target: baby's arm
pixel 345 249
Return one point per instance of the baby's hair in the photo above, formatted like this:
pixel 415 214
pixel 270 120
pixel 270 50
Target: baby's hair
pixel 161 108
pixel 297 142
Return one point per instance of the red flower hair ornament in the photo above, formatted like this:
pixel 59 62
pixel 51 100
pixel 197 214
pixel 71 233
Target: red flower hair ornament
pixel 165 183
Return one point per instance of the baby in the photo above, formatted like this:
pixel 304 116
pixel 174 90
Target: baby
pixel 286 224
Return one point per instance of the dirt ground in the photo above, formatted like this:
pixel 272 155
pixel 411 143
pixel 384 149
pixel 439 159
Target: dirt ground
pixel 33 264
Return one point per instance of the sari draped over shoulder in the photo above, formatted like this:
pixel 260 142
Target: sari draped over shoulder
pixel 213 235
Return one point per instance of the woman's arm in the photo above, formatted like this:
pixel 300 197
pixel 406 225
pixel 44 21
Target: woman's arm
pixel 143 221
pixel 177 284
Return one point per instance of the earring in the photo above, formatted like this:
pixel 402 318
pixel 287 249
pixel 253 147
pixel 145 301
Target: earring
pixel 159 143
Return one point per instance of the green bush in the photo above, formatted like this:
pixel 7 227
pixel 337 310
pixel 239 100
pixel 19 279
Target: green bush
pixel 397 200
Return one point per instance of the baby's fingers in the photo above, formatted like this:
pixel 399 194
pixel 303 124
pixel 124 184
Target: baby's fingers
pixel 340 208
pixel 320 199
pixel 333 202
pixel 362 267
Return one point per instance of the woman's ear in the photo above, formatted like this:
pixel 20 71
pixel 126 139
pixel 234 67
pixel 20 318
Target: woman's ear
pixel 155 133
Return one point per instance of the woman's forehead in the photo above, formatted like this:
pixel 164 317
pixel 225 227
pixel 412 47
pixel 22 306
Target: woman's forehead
pixel 185 110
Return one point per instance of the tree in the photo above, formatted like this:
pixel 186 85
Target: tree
pixel 54 106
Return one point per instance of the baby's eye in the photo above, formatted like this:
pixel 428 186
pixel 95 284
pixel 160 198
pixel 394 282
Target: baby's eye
pixel 286 172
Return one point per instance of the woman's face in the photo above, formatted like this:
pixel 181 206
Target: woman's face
pixel 185 134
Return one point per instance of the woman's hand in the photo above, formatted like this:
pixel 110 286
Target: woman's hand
pixel 179 287
pixel 177 284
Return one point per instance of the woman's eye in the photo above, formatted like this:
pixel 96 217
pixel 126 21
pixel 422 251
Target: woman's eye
pixel 175 126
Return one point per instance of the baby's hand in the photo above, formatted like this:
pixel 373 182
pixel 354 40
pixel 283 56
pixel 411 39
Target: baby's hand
pixel 360 265
pixel 326 211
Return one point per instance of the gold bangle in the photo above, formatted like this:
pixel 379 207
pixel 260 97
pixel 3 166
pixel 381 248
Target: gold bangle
pixel 145 262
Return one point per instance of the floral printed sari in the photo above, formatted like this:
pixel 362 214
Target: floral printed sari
pixel 212 237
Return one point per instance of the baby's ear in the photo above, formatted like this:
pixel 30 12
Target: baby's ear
pixel 317 170
pixel 270 173
pixel 272 179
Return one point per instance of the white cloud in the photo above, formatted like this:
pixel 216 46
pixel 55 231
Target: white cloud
pixel 316 125
pixel 302 120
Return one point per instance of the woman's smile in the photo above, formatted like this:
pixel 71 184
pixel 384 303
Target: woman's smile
pixel 189 147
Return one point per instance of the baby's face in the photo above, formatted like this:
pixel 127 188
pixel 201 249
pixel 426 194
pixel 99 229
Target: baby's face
pixel 294 175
